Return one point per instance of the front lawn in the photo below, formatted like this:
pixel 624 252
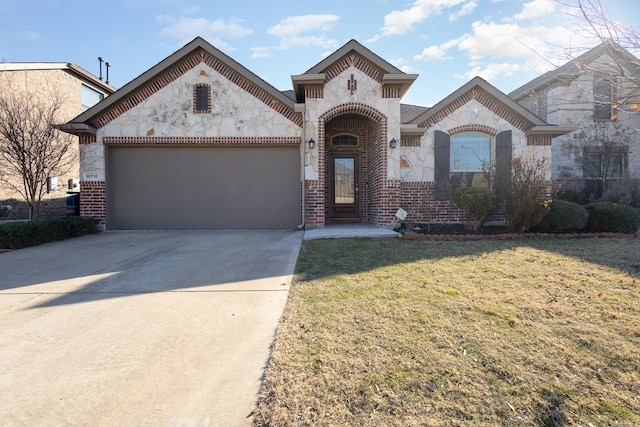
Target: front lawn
pixel 380 332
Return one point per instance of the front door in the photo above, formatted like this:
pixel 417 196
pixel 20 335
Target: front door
pixel 344 185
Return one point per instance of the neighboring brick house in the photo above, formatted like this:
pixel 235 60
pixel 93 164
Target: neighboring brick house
pixel 198 141
pixel 79 90
pixel 598 94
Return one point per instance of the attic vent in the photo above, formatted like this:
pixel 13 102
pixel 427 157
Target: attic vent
pixel 202 98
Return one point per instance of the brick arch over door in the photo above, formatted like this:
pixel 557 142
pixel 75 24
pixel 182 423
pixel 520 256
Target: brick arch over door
pixel 377 187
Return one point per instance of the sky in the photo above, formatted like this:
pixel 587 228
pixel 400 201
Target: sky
pixel 446 42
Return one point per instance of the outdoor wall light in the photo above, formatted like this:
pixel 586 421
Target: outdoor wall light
pixel 311 143
pixel 393 143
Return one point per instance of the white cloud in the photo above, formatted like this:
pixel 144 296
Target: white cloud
pixel 491 71
pixel 466 9
pixel 432 53
pixel 293 29
pixel 400 22
pixel 437 53
pixel 494 40
pixel 184 29
pixel 536 9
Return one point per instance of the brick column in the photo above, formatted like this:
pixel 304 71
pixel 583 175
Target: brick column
pixel 93 200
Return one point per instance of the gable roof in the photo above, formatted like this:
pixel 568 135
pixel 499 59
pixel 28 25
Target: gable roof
pixel 492 98
pixel 573 68
pixel 352 53
pixel 169 69
pixel 352 46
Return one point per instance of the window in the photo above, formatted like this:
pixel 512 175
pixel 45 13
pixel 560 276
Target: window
pixel 600 166
pixel 201 98
pixel 604 165
pixel 470 160
pixel 604 107
pixel 470 152
pixel 342 140
pixel 90 97
pixel 465 159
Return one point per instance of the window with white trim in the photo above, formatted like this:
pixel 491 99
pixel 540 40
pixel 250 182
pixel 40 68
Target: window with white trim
pixel 89 97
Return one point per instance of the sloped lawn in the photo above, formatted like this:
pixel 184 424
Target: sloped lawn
pixel 381 332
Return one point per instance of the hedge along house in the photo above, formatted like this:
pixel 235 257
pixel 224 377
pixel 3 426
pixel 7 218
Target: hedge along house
pixel 198 142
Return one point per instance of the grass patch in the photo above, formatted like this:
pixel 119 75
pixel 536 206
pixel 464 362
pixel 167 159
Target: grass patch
pixel 381 332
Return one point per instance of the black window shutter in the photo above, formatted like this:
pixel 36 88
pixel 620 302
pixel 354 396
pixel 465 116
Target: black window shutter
pixel 442 166
pixel 503 162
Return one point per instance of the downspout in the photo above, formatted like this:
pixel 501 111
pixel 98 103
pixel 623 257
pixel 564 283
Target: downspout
pixel 303 168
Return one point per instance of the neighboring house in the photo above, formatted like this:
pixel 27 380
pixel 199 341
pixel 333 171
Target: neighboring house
pixel 79 90
pixel 598 94
pixel 198 141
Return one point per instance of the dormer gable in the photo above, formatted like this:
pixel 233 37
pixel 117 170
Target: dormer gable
pixel 394 82
pixel 538 131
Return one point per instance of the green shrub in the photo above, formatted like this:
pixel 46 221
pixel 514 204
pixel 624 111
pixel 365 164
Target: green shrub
pixel 564 217
pixel 608 216
pixel 21 234
pixel 573 196
pixel 477 203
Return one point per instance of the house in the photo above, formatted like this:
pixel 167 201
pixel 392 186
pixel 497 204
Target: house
pixel 198 141
pixel 78 90
pixel 597 93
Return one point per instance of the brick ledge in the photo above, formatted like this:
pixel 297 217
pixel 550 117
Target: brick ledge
pixel 509 236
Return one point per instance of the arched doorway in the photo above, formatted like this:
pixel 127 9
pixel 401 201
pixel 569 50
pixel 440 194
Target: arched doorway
pixel 354 155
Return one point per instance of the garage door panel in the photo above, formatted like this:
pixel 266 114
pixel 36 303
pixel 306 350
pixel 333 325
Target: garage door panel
pixel 203 187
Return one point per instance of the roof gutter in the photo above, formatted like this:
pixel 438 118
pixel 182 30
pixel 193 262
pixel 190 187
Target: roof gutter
pixel 549 130
pixel 77 128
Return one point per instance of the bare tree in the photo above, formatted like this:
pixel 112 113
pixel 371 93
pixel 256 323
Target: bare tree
pixel 619 68
pixel 31 149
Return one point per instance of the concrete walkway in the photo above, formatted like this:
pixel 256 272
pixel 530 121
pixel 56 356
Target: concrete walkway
pixel 141 328
pixel 337 231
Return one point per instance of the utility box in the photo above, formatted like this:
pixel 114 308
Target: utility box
pixel 73 203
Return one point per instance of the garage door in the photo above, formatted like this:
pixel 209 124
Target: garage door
pixel 156 188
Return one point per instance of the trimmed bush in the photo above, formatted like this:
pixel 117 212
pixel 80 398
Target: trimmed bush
pixel 614 217
pixel 477 203
pixel 21 234
pixel 564 217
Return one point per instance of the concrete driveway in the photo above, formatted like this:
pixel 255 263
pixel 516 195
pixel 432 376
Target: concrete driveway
pixel 141 328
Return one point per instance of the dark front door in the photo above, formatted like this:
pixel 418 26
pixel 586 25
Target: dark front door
pixel 344 182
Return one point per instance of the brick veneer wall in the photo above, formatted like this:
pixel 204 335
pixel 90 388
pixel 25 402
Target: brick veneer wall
pixel 49 208
pixel 93 200
pixel 418 199
pixel 384 194
pixel 381 196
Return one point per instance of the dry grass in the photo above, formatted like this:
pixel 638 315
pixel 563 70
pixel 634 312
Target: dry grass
pixel 418 333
